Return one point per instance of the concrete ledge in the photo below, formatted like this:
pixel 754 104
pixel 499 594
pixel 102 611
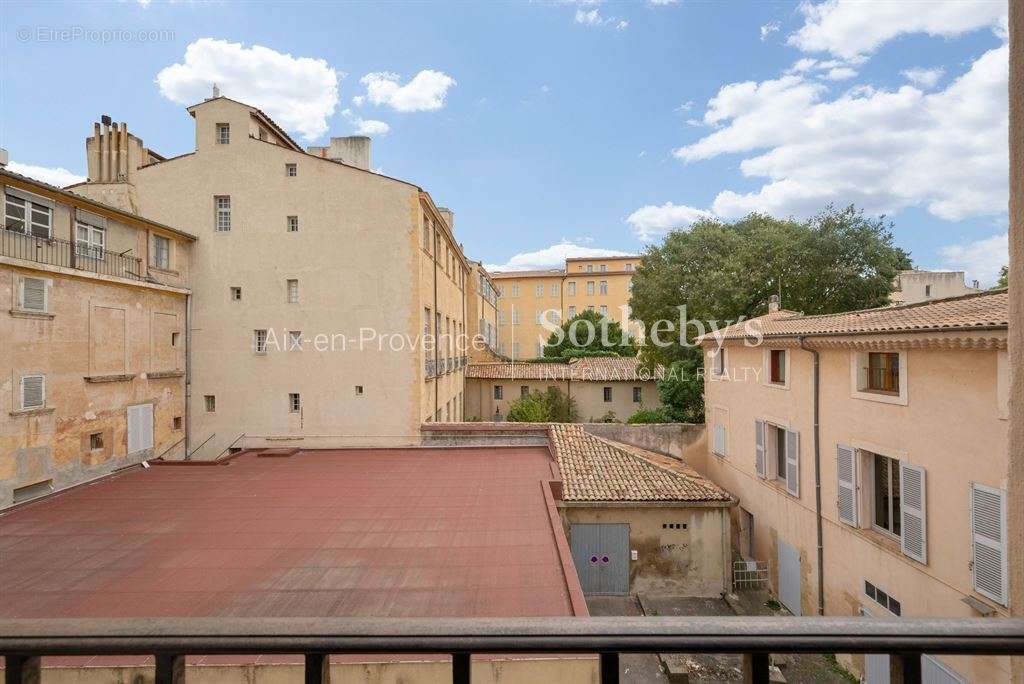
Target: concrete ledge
pixel 165 374
pixel 120 377
pixel 41 411
pixel 25 313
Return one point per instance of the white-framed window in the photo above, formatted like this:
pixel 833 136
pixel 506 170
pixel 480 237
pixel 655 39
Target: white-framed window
pixel 572 312
pixel 294 340
pixel 629 267
pixel 776 368
pixel 293 291
pixel 590 287
pixel 777 454
pixel 33 296
pixel 293 224
pixel 886 495
pixel 571 288
pixel 294 402
pixel 989 542
pixel 554 289
pixel 90 241
pixel 539 291
pixel 359 390
pixel 33 391
pixel 210 403
pixel 515 316
pixel 161 252
pixel 604 310
pixel 590 268
pixel 540 315
pixel 291 170
pixel 879 376
pixel 515 290
pixel 259 341
pixel 604 267
pixel 223 133
pixel 24 216
pixel 223 213
pixel 236 294
pixel 603 287
pixel 426 321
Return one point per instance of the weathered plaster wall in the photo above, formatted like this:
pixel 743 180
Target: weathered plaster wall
pixel 588 395
pixel 685 441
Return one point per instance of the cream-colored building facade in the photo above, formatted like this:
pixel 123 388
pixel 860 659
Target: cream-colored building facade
pixel 913 456
pixel 316 281
pixel 482 316
pixel 92 374
pixel 601 284
pixel 921 286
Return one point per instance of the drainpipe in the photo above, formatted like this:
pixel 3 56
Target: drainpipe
pixel 817 474
pixel 188 373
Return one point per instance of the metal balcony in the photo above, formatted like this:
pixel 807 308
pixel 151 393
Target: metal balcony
pixel 24 642
pixel 57 252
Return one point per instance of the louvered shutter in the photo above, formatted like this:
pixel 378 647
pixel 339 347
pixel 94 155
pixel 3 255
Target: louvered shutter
pixel 793 462
pixel 146 418
pixel 759 464
pixel 846 471
pixel 914 539
pixel 33 294
pixel 133 429
pixel 720 439
pixel 33 392
pixel 988 533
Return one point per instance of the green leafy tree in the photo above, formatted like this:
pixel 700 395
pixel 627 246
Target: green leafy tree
pixel 1004 278
pixel 657 415
pixel 839 260
pixel 551 406
pixel 588 333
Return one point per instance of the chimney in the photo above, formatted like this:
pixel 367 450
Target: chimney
pixel 4 158
pixel 215 93
pixel 353 150
pixel 773 303
pixel 449 217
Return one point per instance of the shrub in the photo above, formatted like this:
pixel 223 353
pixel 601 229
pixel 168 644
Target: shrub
pixel 649 416
pixel 543 407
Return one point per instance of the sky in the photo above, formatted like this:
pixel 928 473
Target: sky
pixel 564 128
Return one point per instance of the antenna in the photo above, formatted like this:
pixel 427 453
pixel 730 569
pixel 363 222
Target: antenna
pixel 216 91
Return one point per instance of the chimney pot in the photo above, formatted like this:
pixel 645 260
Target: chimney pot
pixel 105 119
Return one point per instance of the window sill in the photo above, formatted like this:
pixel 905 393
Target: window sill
pixel 157 375
pixel 119 377
pixel 880 397
pixel 165 271
pixel 28 313
pixel 41 411
pixel 883 541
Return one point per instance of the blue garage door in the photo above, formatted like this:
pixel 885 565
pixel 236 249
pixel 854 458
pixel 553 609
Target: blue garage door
pixel 600 552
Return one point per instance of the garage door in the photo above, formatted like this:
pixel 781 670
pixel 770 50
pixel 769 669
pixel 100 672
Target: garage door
pixel 601 555
pixel 789 577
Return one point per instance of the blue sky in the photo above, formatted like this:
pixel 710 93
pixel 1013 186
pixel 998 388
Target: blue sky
pixel 558 128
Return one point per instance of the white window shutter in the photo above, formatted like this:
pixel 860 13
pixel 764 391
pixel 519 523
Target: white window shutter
pixel 33 294
pixel 793 462
pixel 846 470
pixel 146 414
pixel 33 391
pixel 914 539
pixel 133 429
pixel 720 439
pixel 988 533
pixel 759 464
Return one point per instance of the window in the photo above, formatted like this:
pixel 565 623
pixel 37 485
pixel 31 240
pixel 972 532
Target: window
pixel 590 268
pixel 882 598
pixel 89 240
pixel 33 294
pixel 927 290
pixel 259 340
pixel 572 288
pixel 629 267
pixel 359 390
pixel 524 390
pixel 175 336
pixel 777 366
pixel 23 216
pixel 236 294
pixel 604 267
pixel 223 133
pixel 293 224
pixel 604 310
pixel 719 437
pixel 293 291
pixel 988 535
pixel 211 403
pixel 176 423
pixel 572 312
pixel 161 252
pixel 604 287
pixel 515 290
pixel 294 340
pixel 638 395
pixel 499 392
pixel 539 350
pixel 294 402
pixel 515 316
pixel 426 321
pixel 96 441
pixel 554 289
pixel 607 394
pixel 291 170
pixel 223 214
pixel 718 361
pixel 33 391
pixel 539 315
pixel 777 455
pixel 262 134
pixel 590 287
pixel 886 488
pixel 590 307
pixel 539 291
pixel 780 453
pixel 883 372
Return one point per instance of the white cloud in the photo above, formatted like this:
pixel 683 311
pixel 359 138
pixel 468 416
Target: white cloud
pixel 924 78
pixel 651 222
pixel 840 73
pixel 425 92
pixel 593 17
pixel 662 3
pixel 58 176
pixel 981 259
pixel 300 93
pixel 769 28
pixel 365 126
pixel 622 25
pixel 882 150
pixel 852 27
pixel 550 257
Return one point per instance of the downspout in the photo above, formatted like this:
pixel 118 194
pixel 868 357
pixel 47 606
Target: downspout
pixel 188 373
pixel 817 475
pixel 436 323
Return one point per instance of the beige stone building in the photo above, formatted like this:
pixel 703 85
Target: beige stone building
pixel 921 286
pixel 526 298
pixel 601 387
pixel 911 451
pixel 315 280
pixel 482 315
pixel 94 339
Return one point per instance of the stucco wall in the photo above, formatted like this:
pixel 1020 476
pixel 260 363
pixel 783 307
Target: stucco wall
pixel 588 395
pixel 685 441
pixel 691 561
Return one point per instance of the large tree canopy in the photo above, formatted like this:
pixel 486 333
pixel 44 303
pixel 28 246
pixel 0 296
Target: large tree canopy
pixel 839 260
pixel 588 334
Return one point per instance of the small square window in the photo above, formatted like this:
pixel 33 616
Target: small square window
pixel 259 341
pixel 359 390
pixel 294 402
pixel 96 440
pixel 177 422
pixel 223 133
pixel 294 340
pixel 291 170
pixel 293 291
pixel 211 403
pixel 293 224
pixel 161 252
pixel 236 294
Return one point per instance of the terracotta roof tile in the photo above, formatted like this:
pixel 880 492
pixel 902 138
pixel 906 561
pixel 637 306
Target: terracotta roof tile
pixel 596 369
pixel 597 469
pixel 983 310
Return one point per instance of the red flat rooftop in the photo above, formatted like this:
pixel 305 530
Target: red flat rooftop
pixel 382 533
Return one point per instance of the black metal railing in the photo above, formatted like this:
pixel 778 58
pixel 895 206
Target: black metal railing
pixel 57 252
pixel 430 368
pixel 23 642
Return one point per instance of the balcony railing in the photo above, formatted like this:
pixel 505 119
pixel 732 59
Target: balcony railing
pixel 57 252
pixel 430 368
pixel 23 642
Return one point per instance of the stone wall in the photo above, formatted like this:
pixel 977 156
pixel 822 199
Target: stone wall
pixel 684 441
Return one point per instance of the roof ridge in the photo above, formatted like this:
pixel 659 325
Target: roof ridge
pixel 904 307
